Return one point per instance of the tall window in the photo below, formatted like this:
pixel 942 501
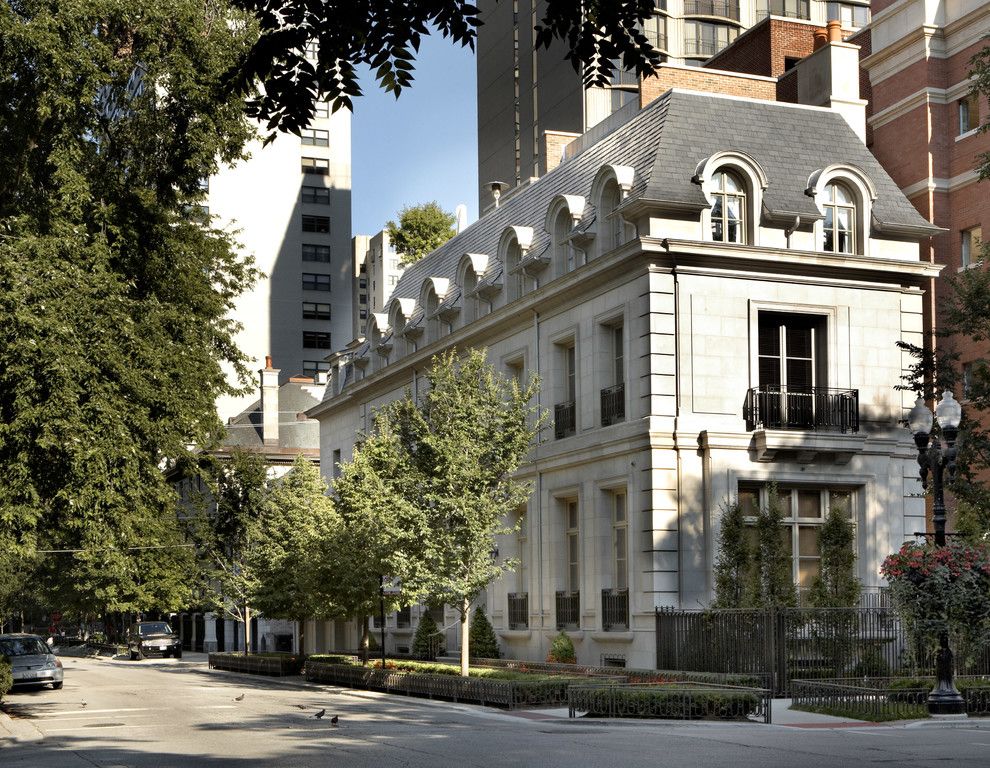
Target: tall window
pixel 572 541
pixel 791 350
pixel 839 227
pixel 794 9
pixel 729 208
pixel 972 239
pixel 702 38
pixel 565 409
pixel 969 113
pixel 805 510
pixel 852 16
pixel 513 275
pixel 570 374
pixel 618 355
pixel 620 556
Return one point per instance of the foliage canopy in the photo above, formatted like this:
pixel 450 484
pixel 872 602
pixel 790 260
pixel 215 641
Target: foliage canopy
pixel 421 229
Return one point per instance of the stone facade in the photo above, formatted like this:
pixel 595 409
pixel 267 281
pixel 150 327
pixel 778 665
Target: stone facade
pixel 651 329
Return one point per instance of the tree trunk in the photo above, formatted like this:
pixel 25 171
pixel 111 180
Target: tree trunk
pixel 300 644
pixel 365 643
pixel 465 631
pixel 247 629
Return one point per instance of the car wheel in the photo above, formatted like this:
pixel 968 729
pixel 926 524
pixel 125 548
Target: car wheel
pixel 178 653
pixel 56 686
pixel 135 655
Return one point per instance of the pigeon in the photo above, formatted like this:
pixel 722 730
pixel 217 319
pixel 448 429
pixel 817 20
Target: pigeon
pixel 334 720
pixel 82 703
pixel 239 698
pixel 319 715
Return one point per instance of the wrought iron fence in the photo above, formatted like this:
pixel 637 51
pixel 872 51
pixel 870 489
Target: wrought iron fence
pixel 613 404
pixel 564 419
pixel 568 609
pixel 825 409
pixel 518 610
pixel 727 9
pixel 884 698
pixel 785 644
pixel 615 609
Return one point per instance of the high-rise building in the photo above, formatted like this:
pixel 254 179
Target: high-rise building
pixel 289 205
pixel 377 269
pixel 531 101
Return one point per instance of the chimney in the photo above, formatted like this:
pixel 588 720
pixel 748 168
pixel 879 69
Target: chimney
pixel 269 402
pixel 829 77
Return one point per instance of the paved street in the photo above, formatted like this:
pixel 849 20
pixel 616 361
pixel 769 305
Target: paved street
pixel 178 713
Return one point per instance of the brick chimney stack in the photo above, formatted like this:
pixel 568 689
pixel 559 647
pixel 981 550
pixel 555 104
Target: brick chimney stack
pixel 269 402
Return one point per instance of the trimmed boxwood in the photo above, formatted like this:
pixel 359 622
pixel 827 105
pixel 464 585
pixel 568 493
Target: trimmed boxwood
pixel 669 702
pixel 270 663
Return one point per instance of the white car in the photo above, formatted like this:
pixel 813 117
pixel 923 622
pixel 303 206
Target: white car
pixel 31 660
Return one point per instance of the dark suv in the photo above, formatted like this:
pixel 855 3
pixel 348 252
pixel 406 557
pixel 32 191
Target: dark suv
pixel 153 637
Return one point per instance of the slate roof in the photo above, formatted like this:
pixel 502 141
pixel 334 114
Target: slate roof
pixel 664 143
pixel 244 430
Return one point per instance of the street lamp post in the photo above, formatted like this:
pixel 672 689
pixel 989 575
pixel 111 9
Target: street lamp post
pixel 938 458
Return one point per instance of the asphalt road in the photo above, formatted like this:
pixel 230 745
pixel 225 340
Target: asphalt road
pixel 114 713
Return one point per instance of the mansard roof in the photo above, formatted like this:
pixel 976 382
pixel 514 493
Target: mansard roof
pixel 664 143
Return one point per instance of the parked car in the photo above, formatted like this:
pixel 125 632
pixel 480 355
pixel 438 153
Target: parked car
pixel 146 638
pixel 32 661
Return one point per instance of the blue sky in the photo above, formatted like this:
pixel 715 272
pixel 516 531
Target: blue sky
pixel 421 147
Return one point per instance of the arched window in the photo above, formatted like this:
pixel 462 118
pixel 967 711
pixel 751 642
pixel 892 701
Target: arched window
pixel 432 321
pixel 613 227
pixel 469 299
pixel 728 208
pixel 513 274
pixel 839 225
pixel 562 247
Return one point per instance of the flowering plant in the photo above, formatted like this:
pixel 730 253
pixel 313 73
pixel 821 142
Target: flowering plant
pixel 939 589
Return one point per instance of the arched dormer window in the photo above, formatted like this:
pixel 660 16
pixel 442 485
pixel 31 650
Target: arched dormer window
pixel 379 343
pixel 729 208
pixel 733 183
pixel 844 195
pixel 431 307
pixel 471 269
pixel 563 215
pixel 398 315
pixel 610 188
pixel 839 224
pixel 513 247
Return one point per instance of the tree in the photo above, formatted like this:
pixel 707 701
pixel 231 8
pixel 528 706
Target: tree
pixel 114 299
pixel 836 585
pixel 734 562
pixel 421 229
pixel 296 516
pixel 430 488
pixel 227 534
pixel 311 50
pixel 774 582
pixel 428 639
pixel 484 643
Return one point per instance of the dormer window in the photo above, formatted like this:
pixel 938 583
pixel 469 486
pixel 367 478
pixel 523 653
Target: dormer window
pixel 728 208
pixel 839 225
pixel 563 249
pixel 613 225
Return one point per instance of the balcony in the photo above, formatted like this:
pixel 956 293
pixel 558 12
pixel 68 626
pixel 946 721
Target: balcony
pixel 568 610
pixel 821 409
pixel 615 610
pixel 564 419
pixel 518 610
pixel 613 404
pixel 726 9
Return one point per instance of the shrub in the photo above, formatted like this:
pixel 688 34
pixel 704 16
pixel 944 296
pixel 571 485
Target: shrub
pixel 562 650
pixel 428 642
pixel 871 664
pixel 482 643
pixel 6 678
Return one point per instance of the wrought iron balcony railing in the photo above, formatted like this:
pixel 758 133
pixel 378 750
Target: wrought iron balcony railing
pixel 615 610
pixel 568 610
pixel 613 404
pixel 564 419
pixel 810 408
pixel 726 9
pixel 518 610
